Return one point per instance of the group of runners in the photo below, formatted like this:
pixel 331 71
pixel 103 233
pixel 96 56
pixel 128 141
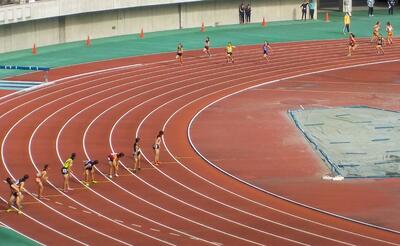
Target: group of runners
pixel 376 38
pixel 17 187
pixel 267 50
pixel 113 159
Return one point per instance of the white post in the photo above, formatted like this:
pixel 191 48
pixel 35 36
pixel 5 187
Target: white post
pixel 46 76
pixel 347 6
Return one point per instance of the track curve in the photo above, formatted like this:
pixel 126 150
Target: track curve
pixel 183 201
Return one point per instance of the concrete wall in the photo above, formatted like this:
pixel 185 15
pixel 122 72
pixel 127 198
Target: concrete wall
pixel 100 24
pixel 43 9
pixel 120 22
pixel 225 12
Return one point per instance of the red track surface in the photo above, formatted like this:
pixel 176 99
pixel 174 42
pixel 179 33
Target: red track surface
pixel 281 160
pixel 184 201
pixel 5 92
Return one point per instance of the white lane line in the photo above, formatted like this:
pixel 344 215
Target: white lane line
pixel 88 212
pixel 48 227
pixel 320 236
pixel 67 78
pixel 20 233
pixel 176 98
pixel 58 136
pixel 206 95
pixel 59 203
pixel 276 195
pixel 283 46
pixel 75 201
pixel 119 221
pixel 177 199
pixel 308 232
pixel 33 163
pixel 106 111
pixel 73 78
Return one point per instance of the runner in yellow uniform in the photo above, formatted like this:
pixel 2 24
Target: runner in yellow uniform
pixel 66 171
pixel 229 53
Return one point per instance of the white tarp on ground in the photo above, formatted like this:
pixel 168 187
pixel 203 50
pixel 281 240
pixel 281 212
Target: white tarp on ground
pixel 354 141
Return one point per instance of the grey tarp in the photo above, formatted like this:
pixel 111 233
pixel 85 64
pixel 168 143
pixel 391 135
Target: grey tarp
pixel 354 141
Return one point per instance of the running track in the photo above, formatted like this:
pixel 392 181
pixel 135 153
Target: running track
pixel 184 201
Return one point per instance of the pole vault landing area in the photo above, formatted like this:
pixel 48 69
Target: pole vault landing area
pixel 355 142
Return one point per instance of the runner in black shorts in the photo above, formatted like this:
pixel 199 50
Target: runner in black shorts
pixel 179 53
pixel 89 170
pixel 207 46
pixel 379 43
pixel 66 171
pixel 15 196
pixel 21 185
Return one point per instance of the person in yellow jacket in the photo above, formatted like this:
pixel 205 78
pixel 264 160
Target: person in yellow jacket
pixel 66 171
pixel 229 52
pixel 346 23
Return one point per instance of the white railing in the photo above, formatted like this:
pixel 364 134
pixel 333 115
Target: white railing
pixel 13 11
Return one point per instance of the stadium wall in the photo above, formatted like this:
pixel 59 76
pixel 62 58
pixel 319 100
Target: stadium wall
pixel 123 21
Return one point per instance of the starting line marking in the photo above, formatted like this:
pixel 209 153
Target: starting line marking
pixel 136 225
pixel 154 229
pixel 59 203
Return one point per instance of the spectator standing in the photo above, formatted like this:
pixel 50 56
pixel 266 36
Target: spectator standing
pixel 303 7
pixel 391 4
pixel 311 7
pixel 370 4
pixel 248 13
pixel 241 13
pixel 346 23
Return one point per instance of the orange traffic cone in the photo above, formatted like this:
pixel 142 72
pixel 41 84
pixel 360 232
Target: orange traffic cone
pixel 141 34
pixel 264 23
pixel 34 51
pixel 88 42
pixel 203 28
pixel 327 17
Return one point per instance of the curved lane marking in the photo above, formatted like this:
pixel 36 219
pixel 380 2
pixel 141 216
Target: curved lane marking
pixel 269 192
